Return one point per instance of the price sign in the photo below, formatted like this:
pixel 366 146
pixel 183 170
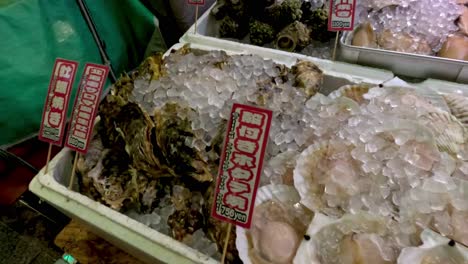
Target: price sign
pixel 341 15
pixel 56 104
pixel 85 107
pixel 241 164
pixel 196 2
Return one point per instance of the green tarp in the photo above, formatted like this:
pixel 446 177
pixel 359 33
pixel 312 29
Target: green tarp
pixel 35 32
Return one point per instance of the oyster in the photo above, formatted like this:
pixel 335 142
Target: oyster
pixel 458 106
pixel 449 133
pixel 217 229
pixel 435 250
pixel 353 239
pixel 364 36
pixel 171 131
pixel 278 225
pixel 308 76
pixel 114 179
pixel 136 127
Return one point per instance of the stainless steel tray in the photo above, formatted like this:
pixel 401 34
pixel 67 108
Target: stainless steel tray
pixel 405 64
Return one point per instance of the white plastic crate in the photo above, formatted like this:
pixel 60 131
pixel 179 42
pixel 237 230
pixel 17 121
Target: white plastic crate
pixel 136 238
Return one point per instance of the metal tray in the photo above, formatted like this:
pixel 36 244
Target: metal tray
pixel 404 64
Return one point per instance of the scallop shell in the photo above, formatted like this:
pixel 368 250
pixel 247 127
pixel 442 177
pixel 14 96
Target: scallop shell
pixel 325 169
pixel 351 239
pixel 285 195
pixel 354 92
pixel 434 250
pixel 458 105
pixel 449 133
pixel 279 169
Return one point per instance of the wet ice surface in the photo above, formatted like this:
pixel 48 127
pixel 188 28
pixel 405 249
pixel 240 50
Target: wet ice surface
pixel 395 156
pixel 389 157
pixel 199 83
pixel 429 20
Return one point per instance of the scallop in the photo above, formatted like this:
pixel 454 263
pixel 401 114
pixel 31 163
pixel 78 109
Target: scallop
pixel 449 133
pixel 278 224
pixel 434 250
pixel 364 36
pixel 455 47
pixel 403 42
pixel 326 170
pixel 360 238
pixel 355 92
pixel 458 106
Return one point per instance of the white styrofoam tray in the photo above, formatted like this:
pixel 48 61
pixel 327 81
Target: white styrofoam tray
pixel 130 235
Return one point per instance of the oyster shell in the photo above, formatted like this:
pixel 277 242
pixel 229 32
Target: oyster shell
pixel 278 225
pixel 458 106
pixel 171 130
pixel 323 170
pixel 136 127
pixel 449 133
pixel 435 250
pixel 355 239
pixel 308 76
pixel 354 92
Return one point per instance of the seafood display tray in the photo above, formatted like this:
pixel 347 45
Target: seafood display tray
pixel 142 241
pixel 207 35
pixel 411 65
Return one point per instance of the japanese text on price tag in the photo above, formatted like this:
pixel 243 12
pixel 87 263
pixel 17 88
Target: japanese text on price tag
pixel 341 15
pixel 85 107
pixel 241 164
pixel 196 2
pixel 56 104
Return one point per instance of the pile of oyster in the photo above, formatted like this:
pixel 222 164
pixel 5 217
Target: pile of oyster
pixel 291 25
pixel 156 154
pixel 428 27
pixel 356 176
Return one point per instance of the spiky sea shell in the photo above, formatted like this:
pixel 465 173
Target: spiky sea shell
pixel 449 133
pixel 458 106
pixel 357 238
pixel 276 207
pixel 326 168
pixel 435 250
pixel 353 91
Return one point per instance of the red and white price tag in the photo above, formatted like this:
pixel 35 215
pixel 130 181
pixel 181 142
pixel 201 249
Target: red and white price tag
pixel 196 2
pixel 341 15
pixel 56 104
pixel 85 107
pixel 241 164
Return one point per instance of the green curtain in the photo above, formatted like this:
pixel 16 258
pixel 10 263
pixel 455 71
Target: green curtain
pixel 35 32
